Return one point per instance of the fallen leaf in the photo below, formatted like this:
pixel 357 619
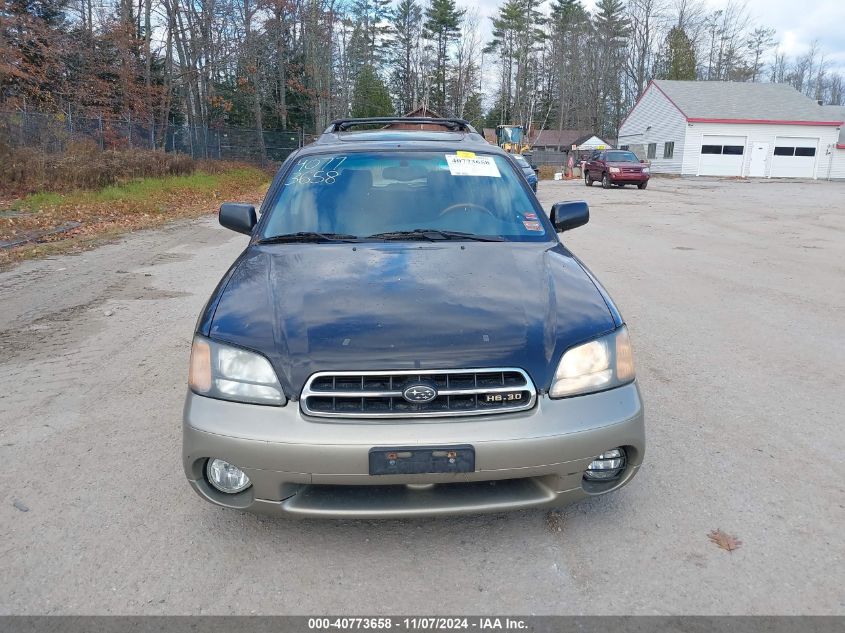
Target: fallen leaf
pixel 555 521
pixel 724 540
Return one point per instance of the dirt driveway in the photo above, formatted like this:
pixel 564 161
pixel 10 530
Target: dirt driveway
pixel 734 294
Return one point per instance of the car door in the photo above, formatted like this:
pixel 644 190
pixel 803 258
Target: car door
pixel 597 167
pixel 589 166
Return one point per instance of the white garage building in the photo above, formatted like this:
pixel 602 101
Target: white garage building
pixel 719 128
pixel 837 162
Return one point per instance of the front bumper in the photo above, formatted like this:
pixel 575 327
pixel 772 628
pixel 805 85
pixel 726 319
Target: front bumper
pixel 305 466
pixel 628 177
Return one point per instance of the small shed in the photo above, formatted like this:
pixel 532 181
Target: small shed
pixel 591 142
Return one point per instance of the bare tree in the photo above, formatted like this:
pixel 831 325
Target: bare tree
pixel 759 42
pixel 778 67
pixel 800 74
pixel 727 29
pixel 465 65
pixel 835 92
pixel 647 20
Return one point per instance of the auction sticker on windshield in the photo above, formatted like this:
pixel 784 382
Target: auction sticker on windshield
pixel 475 166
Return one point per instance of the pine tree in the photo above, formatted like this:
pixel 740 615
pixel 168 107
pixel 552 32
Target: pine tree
pixel 473 111
pixel 680 61
pixel 516 38
pixel 370 35
pixel 370 97
pixel 442 25
pixel 406 24
pixel 570 26
pixel 612 29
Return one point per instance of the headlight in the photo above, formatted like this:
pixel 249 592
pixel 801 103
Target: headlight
pixel 645 170
pixel 602 364
pixel 613 170
pixel 230 373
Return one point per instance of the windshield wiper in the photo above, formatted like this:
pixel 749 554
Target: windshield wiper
pixel 308 236
pixel 434 235
pixel 460 235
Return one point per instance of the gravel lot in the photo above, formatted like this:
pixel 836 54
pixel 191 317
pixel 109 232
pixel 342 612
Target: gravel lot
pixel 734 295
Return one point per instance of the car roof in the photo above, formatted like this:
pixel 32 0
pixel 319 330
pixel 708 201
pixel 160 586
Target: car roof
pixel 456 135
pixel 395 140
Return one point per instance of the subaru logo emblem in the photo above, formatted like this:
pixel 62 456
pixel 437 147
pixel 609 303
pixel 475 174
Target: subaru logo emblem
pixel 419 393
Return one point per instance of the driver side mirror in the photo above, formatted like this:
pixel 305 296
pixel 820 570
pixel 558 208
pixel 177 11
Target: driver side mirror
pixel 238 217
pixel 569 215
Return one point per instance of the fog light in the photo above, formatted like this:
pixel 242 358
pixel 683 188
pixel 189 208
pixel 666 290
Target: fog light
pixel 226 477
pixel 608 465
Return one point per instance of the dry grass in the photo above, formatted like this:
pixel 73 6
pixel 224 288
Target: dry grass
pixel 547 172
pixel 26 170
pixel 110 211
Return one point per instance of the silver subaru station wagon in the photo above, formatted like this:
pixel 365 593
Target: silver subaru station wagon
pixel 405 335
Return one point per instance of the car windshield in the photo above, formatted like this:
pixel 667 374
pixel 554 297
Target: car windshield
pixel 622 157
pixel 404 195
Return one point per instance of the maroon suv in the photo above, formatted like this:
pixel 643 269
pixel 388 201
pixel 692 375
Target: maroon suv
pixel 615 167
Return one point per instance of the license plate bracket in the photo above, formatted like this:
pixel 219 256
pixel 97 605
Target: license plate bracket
pixel 418 460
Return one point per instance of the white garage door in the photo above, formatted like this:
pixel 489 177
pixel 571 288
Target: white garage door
pixel 794 157
pixel 721 155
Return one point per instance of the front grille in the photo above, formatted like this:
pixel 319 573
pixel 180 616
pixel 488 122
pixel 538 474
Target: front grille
pixel 380 394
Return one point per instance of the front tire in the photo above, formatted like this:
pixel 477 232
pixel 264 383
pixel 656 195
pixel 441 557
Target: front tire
pixel 642 185
pixel 605 181
pixel 588 180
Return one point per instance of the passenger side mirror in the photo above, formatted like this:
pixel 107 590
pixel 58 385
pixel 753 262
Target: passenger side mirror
pixel 569 215
pixel 642 160
pixel 238 217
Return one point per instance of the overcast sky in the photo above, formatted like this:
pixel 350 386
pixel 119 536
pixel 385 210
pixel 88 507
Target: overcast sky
pixel 797 22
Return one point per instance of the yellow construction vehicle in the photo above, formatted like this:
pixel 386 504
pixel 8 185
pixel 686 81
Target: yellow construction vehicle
pixel 511 138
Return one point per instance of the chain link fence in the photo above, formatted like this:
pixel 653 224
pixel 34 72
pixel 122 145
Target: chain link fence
pixel 52 133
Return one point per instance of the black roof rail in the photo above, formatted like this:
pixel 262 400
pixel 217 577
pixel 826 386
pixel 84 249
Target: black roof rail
pixel 342 125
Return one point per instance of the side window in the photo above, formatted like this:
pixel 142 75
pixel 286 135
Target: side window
pixel 652 150
pixel 669 149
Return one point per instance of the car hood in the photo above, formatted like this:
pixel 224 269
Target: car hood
pixel 392 306
pixel 638 166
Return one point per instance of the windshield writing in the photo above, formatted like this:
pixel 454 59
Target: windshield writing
pixel 457 195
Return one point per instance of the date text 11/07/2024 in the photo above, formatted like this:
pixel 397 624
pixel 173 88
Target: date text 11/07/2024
pixel 417 623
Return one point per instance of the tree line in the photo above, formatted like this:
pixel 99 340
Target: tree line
pixel 298 64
